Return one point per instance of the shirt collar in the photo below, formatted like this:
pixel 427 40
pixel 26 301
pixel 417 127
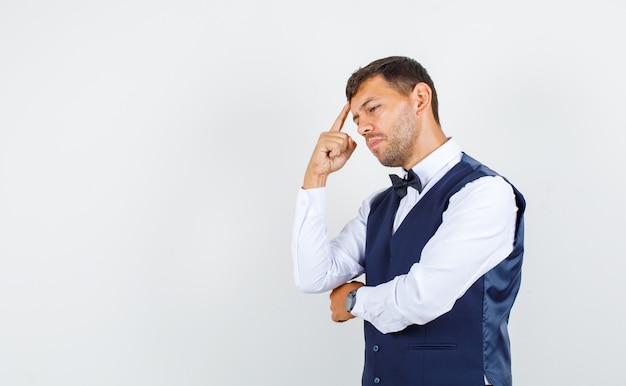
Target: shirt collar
pixel 427 168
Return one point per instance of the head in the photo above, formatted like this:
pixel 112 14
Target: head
pixel 394 105
pixel 400 72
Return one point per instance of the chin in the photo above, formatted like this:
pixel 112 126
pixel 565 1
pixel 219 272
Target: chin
pixel 385 160
pixel 388 163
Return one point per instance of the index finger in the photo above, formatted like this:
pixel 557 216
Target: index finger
pixel 341 118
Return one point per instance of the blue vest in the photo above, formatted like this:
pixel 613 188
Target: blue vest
pixel 469 341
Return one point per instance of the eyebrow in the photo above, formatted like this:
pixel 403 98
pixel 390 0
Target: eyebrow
pixel 368 100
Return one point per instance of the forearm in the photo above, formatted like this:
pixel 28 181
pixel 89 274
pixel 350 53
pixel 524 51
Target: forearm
pixel 476 234
pixel 320 264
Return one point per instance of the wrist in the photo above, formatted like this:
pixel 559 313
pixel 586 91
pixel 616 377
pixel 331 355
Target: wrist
pixel 351 300
pixel 314 181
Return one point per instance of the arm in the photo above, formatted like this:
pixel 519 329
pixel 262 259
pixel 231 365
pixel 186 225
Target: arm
pixel 320 265
pixel 476 234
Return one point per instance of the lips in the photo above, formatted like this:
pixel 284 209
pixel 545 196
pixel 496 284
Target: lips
pixel 373 142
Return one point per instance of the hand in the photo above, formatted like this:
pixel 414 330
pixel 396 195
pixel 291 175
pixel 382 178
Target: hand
pixel 338 301
pixel 331 153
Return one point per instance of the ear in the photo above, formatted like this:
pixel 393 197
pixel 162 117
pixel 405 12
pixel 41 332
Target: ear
pixel 421 96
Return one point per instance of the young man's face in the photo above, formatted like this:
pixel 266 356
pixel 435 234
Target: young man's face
pixel 387 121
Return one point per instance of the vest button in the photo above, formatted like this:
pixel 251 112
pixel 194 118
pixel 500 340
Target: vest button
pixel 377 380
pixel 375 348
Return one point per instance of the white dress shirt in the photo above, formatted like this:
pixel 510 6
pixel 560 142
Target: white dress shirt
pixel 476 233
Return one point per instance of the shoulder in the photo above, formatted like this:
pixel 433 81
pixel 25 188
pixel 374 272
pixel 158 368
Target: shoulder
pixel 491 192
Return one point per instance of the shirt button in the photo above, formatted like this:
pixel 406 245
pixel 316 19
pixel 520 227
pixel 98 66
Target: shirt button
pixel 375 348
pixel 377 380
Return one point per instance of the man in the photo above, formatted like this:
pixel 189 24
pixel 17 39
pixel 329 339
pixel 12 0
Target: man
pixel 442 257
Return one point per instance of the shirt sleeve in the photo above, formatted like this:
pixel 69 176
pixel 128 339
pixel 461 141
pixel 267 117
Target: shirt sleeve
pixel 476 233
pixel 320 264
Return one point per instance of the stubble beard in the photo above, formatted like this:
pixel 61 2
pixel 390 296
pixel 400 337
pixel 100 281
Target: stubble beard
pixel 400 142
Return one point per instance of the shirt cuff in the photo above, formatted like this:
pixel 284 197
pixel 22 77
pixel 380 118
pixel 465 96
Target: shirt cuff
pixel 375 305
pixel 359 307
pixel 312 202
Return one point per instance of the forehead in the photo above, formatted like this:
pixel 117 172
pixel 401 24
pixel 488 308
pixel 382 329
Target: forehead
pixel 373 87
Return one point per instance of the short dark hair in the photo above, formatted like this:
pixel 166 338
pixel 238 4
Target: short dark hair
pixel 400 72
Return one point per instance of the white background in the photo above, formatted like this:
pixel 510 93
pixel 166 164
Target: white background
pixel 151 152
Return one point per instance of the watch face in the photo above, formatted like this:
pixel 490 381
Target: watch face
pixel 350 301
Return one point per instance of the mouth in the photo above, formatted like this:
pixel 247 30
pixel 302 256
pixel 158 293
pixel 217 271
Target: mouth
pixel 373 142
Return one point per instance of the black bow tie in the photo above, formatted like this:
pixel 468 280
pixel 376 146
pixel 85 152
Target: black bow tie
pixel 400 184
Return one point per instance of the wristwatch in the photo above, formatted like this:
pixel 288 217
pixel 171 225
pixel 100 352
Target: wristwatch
pixel 350 300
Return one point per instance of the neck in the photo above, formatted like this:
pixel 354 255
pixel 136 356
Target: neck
pixel 428 140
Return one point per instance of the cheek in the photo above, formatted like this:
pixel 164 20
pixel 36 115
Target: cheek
pixel 383 121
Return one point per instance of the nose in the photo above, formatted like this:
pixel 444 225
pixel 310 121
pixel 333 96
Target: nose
pixel 364 127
